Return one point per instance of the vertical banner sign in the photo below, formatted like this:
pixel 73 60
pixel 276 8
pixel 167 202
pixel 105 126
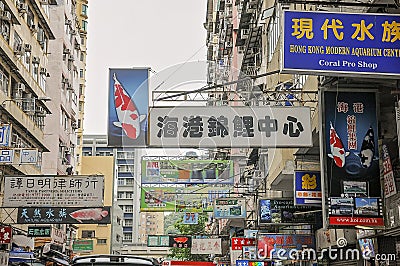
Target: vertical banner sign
pixel 341 43
pixel 5 234
pixel 128 107
pixel 388 176
pixel 5 135
pixel 352 159
pixel 307 186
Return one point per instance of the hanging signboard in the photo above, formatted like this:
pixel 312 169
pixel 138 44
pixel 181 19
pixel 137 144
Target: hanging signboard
pixel 190 218
pixel 39 231
pixel 169 171
pixel 206 246
pixel 351 158
pixel 82 245
pixel 228 208
pixel 61 215
pixel 55 191
pixel 128 103
pixel 180 241
pixel 281 211
pixel 307 186
pixel 388 175
pixel 158 241
pixel 28 156
pixel 5 135
pixel 237 243
pixel 7 156
pixel 230 126
pixel 340 44
pixel 5 234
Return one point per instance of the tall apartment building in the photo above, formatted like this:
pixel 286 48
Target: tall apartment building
pixel 127 189
pixel 66 68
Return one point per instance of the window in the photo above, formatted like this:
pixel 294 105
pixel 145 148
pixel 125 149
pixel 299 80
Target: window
pixel 88 234
pixel 128 222
pixel 84 25
pixel 3 82
pixel 273 35
pixel 128 208
pixel 120 195
pixel 121 181
pixel 84 10
pixel 101 241
pixel 81 73
pixel 130 181
pixel 129 195
pixel 127 236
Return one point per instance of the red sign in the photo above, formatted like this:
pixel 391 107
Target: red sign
pixel 5 234
pixel 348 220
pixel 239 242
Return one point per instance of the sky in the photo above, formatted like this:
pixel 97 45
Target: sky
pixel 160 34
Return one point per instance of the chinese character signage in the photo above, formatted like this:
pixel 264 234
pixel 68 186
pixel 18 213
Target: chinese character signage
pixel 237 243
pixel 128 107
pixel 82 245
pixel 307 188
pixel 180 241
pixel 7 156
pixel 225 208
pixel 271 246
pixel 227 126
pixel 351 158
pixel 5 135
pixel 388 175
pixel 341 43
pixel 64 215
pixel 206 246
pixel 39 231
pixel 190 218
pixel 28 156
pixel 187 171
pixel 5 234
pixel 281 211
pixel 55 191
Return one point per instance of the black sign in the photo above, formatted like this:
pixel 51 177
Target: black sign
pixel 56 215
pixel 39 231
pixel 276 211
pixel 180 241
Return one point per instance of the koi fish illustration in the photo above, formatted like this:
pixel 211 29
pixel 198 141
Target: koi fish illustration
pixel 96 214
pixel 129 118
pixel 337 149
pixel 367 149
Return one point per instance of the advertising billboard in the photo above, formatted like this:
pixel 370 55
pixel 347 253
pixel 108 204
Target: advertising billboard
pixel 307 188
pixel 340 44
pixel 64 215
pixel 82 245
pixel 206 246
pixel 54 191
pixel 171 171
pixel 230 126
pixel 281 211
pixel 160 199
pixel 351 158
pixel 271 246
pixel 229 208
pixel 128 104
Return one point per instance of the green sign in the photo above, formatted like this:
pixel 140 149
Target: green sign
pixel 157 199
pixel 82 245
pixel 158 241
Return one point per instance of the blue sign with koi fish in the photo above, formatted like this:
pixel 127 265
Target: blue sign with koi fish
pixel 341 43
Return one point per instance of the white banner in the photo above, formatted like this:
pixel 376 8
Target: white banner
pixel 230 126
pixel 206 246
pixel 53 191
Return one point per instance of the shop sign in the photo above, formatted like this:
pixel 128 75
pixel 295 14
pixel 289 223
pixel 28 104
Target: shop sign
pixel 230 126
pixel 39 231
pixel 5 234
pixel 341 44
pixel 128 100
pixel 206 246
pixel 270 244
pixel 55 191
pixel 180 241
pixel 7 156
pixel 5 135
pixel 351 158
pixel 68 215
pixel 388 175
pixel 307 188
pixel 190 218
pixel 80 245
pixel 28 156
pixel 158 241
pixel 281 211
pixel 237 243
pixel 225 208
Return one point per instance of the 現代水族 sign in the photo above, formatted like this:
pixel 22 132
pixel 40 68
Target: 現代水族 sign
pixel 341 43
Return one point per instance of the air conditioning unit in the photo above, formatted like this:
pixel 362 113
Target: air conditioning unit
pixel 6 15
pixel 19 49
pixel 22 7
pixel 28 47
pixel 36 60
pixel 40 37
pixel 74 125
pixel 40 112
pixel 43 71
